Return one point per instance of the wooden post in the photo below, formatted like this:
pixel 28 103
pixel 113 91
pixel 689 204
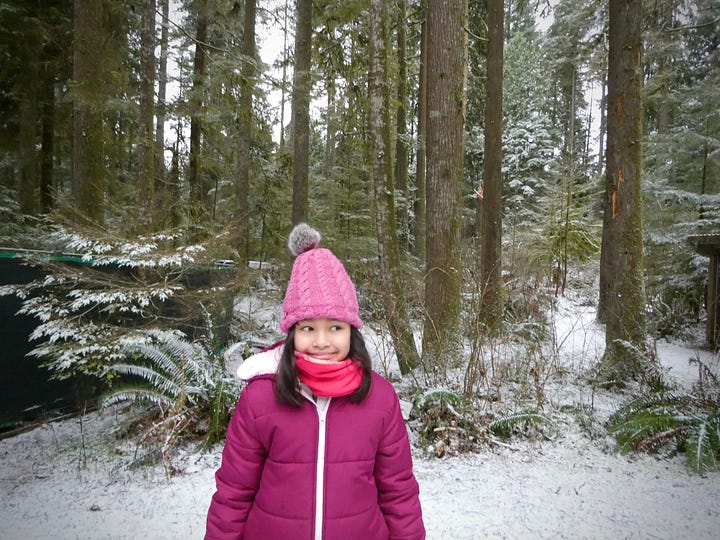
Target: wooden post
pixel 711 332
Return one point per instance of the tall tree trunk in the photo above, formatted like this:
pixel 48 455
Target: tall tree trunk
pixel 302 83
pixel 146 143
pixel 161 174
pixel 28 82
pixel 88 164
pixel 331 123
pixel 198 188
pixel 386 228
pixel 173 184
pixel 331 126
pixel 401 143
pixel 568 183
pixel 442 335
pixel 491 308
pixel 666 15
pixel 283 84
pixel 603 121
pixel 47 149
pixel 420 165
pixel 245 128
pixel 622 291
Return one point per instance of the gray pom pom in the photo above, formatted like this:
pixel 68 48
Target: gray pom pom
pixel 303 238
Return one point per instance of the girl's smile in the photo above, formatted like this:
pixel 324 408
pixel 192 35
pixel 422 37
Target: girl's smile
pixel 324 341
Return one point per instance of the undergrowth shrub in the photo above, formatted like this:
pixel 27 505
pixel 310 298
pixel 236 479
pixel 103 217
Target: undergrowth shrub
pixel 528 423
pixel 449 423
pixel 184 388
pixel 671 421
pixel 446 422
pixel 675 313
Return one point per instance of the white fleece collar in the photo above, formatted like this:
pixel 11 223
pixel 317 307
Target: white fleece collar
pixel 263 363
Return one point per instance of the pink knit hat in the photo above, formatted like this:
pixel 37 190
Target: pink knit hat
pixel 319 286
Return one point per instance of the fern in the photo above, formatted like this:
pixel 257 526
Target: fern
pixel 135 394
pixel 438 396
pixel 670 421
pixel 447 423
pixel 157 381
pixel 703 445
pixel 522 422
pixel 179 379
pixel 648 430
pixel 658 400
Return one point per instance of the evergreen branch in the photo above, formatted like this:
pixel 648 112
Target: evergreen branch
pixel 694 26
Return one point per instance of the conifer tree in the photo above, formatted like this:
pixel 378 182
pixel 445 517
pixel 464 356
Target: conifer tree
pixel 622 291
pixel 385 217
pixel 146 142
pixel 491 259
pixel 302 83
pixel 446 63
pixel 88 162
pixel 245 128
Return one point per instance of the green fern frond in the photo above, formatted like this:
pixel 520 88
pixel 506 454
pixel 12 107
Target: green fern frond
pixel 703 445
pixel 158 356
pixel 192 358
pixel 656 401
pixel 157 380
pixel 435 396
pixel 656 421
pixel 520 421
pixel 181 378
pixel 197 391
pixel 640 428
pixel 135 394
pixel 181 349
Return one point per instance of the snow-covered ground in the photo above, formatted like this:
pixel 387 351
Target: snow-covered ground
pixel 71 479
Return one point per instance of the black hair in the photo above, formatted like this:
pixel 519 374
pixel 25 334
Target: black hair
pixel 287 388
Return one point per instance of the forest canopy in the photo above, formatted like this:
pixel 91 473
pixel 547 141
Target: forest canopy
pixel 210 127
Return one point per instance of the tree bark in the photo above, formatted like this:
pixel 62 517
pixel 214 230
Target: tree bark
pixel 602 128
pixel 442 336
pixel 47 151
pixel 420 166
pixel 385 225
pixel 198 188
pixel 88 164
pixel 331 127
pixel 302 83
pixel 491 308
pixel 146 142
pixel 283 84
pixel 401 146
pixel 162 201
pixel 622 291
pixel 245 128
pixel 28 83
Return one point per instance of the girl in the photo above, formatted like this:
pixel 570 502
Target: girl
pixel 317 448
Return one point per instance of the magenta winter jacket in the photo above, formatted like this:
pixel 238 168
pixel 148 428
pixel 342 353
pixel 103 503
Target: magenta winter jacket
pixel 266 485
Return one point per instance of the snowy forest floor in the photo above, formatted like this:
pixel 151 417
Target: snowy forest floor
pixel 77 479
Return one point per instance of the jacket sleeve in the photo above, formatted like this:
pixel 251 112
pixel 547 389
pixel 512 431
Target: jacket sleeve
pixel 238 477
pixel 398 490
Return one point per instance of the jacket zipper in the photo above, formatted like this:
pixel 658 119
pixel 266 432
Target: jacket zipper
pixel 322 409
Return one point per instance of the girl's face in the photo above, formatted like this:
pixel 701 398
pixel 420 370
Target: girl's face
pixel 323 340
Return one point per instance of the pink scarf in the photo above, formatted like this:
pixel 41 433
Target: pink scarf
pixel 329 380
